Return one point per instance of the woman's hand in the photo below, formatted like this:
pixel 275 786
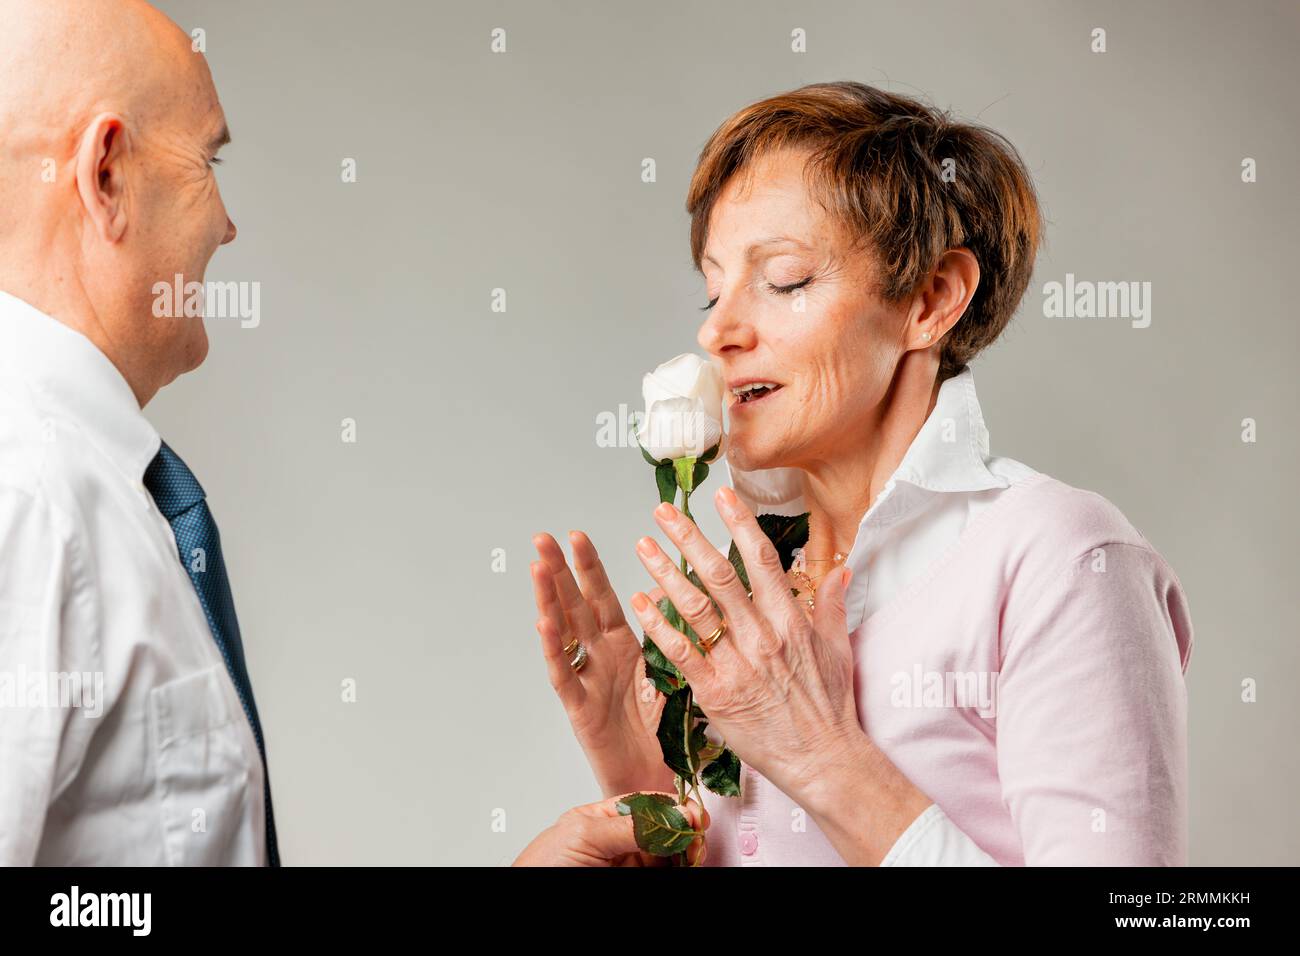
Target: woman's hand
pixel 596 835
pixel 778 684
pixel 613 708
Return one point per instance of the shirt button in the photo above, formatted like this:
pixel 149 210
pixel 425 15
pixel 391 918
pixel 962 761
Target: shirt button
pixel 748 843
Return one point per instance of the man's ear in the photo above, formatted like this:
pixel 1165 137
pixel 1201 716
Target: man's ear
pixel 101 175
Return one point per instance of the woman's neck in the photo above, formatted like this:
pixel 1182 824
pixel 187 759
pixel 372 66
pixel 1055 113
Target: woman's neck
pixel 839 491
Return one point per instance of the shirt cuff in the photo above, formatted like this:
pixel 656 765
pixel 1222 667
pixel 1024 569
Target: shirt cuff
pixel 934 840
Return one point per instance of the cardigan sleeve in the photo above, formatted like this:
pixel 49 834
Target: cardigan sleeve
pixel 1092 713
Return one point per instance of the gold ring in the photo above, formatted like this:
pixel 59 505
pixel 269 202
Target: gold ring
pixel 570 647
pixel 580 658
pixel 708 642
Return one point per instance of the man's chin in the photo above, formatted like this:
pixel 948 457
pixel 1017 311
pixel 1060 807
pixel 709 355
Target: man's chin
pixel 197 349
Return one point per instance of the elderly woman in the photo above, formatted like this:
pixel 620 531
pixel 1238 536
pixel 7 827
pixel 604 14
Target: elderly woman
pixel 971 662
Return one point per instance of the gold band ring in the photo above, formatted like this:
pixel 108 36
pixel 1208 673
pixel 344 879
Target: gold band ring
pixel 708 642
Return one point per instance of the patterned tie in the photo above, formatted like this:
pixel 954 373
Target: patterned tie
pixel 180 498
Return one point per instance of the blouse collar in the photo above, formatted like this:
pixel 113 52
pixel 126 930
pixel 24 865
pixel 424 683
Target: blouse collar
pixel 949 453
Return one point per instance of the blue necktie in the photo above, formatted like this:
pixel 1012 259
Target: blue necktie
pixel 180 498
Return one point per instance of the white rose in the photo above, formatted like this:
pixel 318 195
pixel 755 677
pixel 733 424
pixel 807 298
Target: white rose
pixel 683 409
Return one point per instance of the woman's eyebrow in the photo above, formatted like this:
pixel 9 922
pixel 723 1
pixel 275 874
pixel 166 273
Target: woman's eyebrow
pixel 756 248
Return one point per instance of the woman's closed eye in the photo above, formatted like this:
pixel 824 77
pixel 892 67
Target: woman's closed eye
pixel 787 289
pixel 771 287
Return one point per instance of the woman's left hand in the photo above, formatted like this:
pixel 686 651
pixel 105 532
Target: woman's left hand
pixel 778 685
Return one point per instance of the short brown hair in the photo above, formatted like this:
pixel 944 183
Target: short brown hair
pixel 877 165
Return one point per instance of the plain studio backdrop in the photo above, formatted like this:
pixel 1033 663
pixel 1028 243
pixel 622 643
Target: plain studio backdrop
pixel 375 564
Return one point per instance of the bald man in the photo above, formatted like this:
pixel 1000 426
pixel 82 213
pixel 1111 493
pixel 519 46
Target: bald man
pixel 128 730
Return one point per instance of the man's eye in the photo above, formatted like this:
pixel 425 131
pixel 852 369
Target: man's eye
pixel 787 289
pixel 215 161
pixel 712 303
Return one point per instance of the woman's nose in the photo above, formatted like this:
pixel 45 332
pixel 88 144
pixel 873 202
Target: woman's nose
pixel 724 329
pixel 231 231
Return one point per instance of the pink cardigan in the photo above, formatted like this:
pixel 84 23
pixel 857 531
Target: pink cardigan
pixel 1031 684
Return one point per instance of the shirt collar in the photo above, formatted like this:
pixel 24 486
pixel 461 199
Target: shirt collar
pixel 67 373
pixel 949 453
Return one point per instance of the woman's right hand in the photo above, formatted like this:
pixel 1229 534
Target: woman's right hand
pixel 612 706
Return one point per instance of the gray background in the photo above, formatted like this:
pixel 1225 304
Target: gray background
pixel 372 560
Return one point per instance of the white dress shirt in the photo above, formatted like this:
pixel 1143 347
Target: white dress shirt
pixel 122 738
pixel 944 480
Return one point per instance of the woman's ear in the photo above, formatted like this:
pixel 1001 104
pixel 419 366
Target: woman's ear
pixel 101 175
pixel 943 299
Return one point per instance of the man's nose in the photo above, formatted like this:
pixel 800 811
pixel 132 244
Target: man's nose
pixel 231 231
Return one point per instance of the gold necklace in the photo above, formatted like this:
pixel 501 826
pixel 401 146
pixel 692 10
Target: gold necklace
pixel 810 584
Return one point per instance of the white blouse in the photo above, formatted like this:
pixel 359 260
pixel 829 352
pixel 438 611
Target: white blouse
pixel 945 479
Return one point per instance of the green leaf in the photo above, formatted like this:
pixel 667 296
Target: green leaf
pixel 737 562
pixel 666 479
pixel 662 672
pixel 723 775
pixel 678 623
pixel 701 473
pixel 672 734
pixel 698 742
pixel 670 613
pixel 785 532
pixel 645 454
pixel 661 829
pixel 710 455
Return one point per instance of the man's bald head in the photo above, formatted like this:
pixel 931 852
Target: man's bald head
pixel 109 122
pixel 62 61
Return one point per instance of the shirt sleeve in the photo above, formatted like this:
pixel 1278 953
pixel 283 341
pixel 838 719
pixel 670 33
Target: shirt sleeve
pixel 934 840
pixel 40 663
pixel 1092 714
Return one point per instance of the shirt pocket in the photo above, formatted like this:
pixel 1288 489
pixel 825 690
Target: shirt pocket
pixel 205 778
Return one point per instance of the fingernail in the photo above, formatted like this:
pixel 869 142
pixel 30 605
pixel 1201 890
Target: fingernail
pixel 665 511
pixel 646 546
pixel 727 496
pixel 639 602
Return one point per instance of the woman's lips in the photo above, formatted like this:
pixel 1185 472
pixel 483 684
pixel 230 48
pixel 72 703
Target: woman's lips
pixel 738 405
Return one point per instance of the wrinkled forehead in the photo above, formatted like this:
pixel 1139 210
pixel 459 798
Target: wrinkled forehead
pixel 774 194
pixel 181 99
